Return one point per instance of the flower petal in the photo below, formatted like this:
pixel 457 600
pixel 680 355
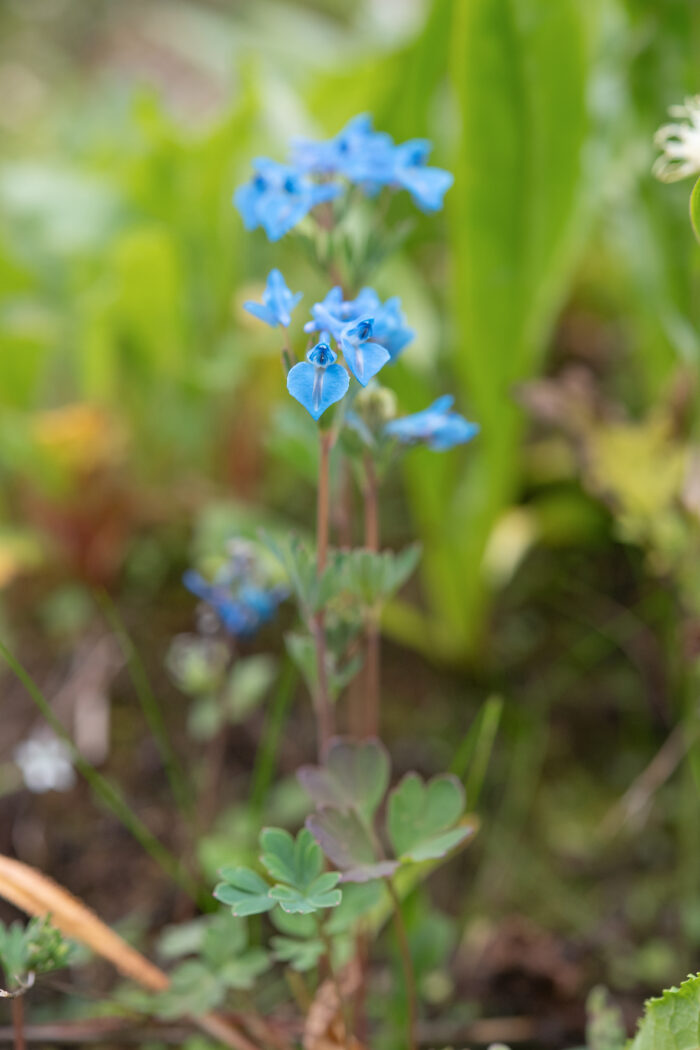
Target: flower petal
pixel 364 359
pixel 317 388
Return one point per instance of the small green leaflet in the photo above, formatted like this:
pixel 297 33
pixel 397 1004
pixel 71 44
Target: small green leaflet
pixel 421 817
pixel 321 893
pixel 244 891
pixel 294 861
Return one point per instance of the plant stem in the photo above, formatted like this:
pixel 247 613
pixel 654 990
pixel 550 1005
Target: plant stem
pixel 342 1005
pixel 323 709
pixel 18 1022
pixel 372 670
pixel 406 964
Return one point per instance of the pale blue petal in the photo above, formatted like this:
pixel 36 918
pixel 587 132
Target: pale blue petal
pixel 427 186
pixel 364 359
pixel 317 388
pixel 263 313
pixel 455 431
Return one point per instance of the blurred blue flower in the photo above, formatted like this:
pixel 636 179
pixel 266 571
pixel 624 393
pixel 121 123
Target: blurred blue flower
pixel 363 355
pixel 439 427
pixel 427 186
pixel 277 302
pixel 279 196
pixel 372 160
pixel 389 324
pixel 318 382
pixel 357 152
pixel 242 606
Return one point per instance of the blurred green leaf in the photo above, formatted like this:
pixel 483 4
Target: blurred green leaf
pixel 672 1021
pixel 695 209
pixel 355 774
pixel 421 816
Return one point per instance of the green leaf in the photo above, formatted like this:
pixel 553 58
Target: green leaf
pixel 695 209
pixel 302 650
pixel 346 842
pixel 183 939
pixel 241 972
pixel 297 862
pixel 301 955
pixel 516 218
pixel 355 774
pixel 605 1028
pixel 671 1021
pixel 249 684
pixel 193 990
pixel 321 893
pixel 359 900
pixel 420 816
pixel 244 891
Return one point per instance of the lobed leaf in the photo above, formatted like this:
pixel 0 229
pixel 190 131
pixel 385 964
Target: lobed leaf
pixel 321 893
pixel 301 955
pixel 346 842
pixel 297 862
pixel 420 816
pixel 244 891
pixel 355 774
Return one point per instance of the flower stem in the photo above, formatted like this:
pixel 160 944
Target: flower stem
pixel 18 1022
pixel 372 670
pixel 406 964
pixel 324 711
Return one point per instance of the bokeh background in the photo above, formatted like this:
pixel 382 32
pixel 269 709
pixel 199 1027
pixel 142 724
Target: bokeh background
pixel 143 419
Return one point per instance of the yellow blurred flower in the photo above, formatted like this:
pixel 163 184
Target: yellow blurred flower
pixel 79 438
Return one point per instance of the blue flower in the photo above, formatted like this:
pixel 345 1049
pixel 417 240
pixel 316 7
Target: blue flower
pixel 278 197
pixel 363 355
pixel 439 427
pixel 389 325
pixel 427 186
pixel 371 159
pixel 277 302
pixel 243 607
pixel 357 152
pixel 318 382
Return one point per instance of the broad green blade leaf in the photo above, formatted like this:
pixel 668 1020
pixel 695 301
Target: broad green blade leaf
pixel 695 209
pixel 672 1021
pixel 294 861
pixel 419 813
pixel 355 774
pixel 244 891
pixel 519 73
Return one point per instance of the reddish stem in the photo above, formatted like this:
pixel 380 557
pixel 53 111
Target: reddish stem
pixel 372 675
pixel 18 1022
pixel 322 702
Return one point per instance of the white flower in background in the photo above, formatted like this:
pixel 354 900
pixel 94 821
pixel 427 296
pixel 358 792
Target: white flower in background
pixel 45 763
pixel 680 143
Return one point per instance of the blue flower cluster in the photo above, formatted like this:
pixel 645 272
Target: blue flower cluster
pixel 242 603
pixel 278 196
pixel 369 334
